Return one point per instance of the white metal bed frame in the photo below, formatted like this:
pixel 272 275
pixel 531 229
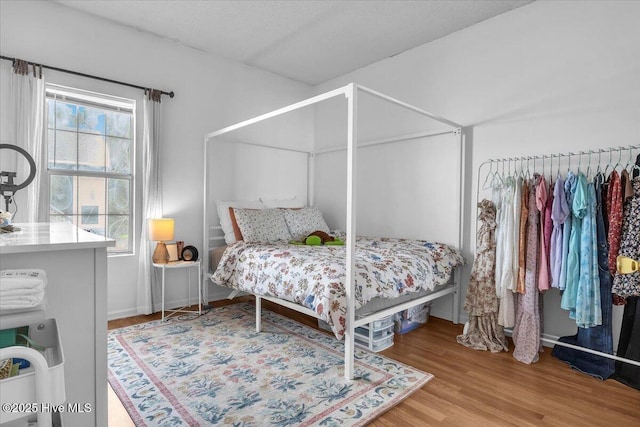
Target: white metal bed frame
pixel 350 91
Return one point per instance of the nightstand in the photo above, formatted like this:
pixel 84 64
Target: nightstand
pixel 188 265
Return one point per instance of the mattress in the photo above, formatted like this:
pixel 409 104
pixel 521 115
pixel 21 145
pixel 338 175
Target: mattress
pixel 314 276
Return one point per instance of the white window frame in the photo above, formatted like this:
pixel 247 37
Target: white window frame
pixel 99 100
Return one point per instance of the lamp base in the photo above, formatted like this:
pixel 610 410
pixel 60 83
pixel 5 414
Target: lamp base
pixel 160 255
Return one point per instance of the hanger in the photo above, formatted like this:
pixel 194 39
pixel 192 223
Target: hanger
pixel 606 169
pixel 580 153
pixel 599 173
pixel 486 178
pixel 631 163
pixel 619 149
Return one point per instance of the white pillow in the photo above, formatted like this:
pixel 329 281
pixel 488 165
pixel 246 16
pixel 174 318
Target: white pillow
pixel 302 222
pixel 225 218
pixel 262 225
pixel 294 202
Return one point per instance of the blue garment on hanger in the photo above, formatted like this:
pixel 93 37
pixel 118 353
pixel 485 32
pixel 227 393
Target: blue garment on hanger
pixel 599 337
pixel 569 189
pixel 578 210
pixel 588 311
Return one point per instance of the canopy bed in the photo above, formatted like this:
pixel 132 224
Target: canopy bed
pixel 435 264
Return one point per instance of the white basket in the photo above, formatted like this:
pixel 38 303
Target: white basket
pixel 21 389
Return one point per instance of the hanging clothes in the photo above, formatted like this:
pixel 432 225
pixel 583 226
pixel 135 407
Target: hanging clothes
pixel 559 213
pixel 569 189
pixel 628 285
pixel 542 194
pixel 526 332
pixel 481 302
pixel 599 337
pixel 578 210
pixel 588 312
pixel 548 230
pixel 615 214
pixel 515 244
pixel 522 238
pixel 629 344
pixel 506 283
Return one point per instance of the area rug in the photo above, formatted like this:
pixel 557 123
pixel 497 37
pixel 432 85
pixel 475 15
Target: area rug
pixel 216 370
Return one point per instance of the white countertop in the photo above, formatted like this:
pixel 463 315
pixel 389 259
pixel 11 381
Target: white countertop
pixel 45 236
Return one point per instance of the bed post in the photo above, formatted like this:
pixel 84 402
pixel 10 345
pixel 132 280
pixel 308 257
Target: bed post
pixel 461 195
pixel 456 297
pixel 258 314
pixel 349 344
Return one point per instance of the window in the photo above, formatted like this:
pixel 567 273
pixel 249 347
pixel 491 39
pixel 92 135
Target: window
pixel 90 146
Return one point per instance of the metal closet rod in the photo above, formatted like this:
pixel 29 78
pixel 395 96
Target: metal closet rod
pixel 569 154
pixel 75 73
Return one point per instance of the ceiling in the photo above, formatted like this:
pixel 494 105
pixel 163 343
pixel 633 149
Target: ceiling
pixel 308 41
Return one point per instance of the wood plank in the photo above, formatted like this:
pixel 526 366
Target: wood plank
pixel 474 388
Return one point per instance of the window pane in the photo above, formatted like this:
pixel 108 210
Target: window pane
pixel 119 124
pixel 91 152
pixel 119 231
pixel 91 120
pixel 118 155
pixel 118 194
pixel 62 195
pixel 66 116
pixel 91 204
pixel 65 153
pixel 51 114
pixel 51 148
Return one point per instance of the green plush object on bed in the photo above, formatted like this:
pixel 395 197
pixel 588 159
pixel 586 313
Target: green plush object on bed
pixel 317 241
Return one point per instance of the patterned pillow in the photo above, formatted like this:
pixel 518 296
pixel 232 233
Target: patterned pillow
pixel 225 218
pixel 302 222
pixel 262 225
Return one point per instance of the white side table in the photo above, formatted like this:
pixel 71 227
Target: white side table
pixel 188 265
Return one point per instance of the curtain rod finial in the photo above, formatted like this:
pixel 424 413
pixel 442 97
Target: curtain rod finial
pixel 171 94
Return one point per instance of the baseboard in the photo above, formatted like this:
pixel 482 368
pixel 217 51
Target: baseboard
pixel 121 314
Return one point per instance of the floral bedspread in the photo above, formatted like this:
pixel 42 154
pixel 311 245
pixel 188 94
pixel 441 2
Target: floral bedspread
pixel 314 276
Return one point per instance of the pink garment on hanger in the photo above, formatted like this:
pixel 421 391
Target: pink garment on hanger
pixel 548 228
pixel 542 194
pixel 526 331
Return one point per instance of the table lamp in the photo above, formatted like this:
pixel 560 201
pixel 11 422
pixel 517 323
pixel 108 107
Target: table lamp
pixel 161 230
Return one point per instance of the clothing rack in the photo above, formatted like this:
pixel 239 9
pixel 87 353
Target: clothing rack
pixel 579 155
pixel 590 154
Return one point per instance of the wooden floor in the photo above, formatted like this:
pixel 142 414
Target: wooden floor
pixel 475 388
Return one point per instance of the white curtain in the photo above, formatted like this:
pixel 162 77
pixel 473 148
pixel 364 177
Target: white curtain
pixel 28 99
pixel 151 199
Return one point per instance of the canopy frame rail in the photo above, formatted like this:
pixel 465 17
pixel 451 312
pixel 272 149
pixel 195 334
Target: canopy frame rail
pixel 350 91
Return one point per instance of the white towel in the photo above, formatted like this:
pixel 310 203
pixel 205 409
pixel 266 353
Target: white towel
pixel 22 279
pixel 20 301
pixel 21 289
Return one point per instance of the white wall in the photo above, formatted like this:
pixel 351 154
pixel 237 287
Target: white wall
pixel 546 78
pixel 210 93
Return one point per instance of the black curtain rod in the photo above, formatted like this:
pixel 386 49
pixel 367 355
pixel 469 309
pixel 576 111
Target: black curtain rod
pixel 171 94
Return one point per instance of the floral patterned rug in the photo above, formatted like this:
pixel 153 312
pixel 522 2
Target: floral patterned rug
pixel 216 370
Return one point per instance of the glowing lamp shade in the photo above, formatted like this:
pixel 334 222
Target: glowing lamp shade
pixel 161 230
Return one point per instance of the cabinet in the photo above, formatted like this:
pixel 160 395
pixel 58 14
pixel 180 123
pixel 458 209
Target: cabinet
pixel 76 265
